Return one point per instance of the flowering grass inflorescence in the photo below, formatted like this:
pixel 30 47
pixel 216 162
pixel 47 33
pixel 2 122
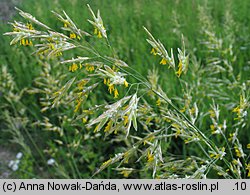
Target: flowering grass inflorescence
pixel 157 125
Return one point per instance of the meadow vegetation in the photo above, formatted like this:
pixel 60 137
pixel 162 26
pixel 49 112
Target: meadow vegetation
pixel 126 89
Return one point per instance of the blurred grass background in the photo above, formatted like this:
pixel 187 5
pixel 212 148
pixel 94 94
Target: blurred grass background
pixel 124 21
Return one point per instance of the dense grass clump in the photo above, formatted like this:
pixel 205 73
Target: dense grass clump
pixel 144 89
